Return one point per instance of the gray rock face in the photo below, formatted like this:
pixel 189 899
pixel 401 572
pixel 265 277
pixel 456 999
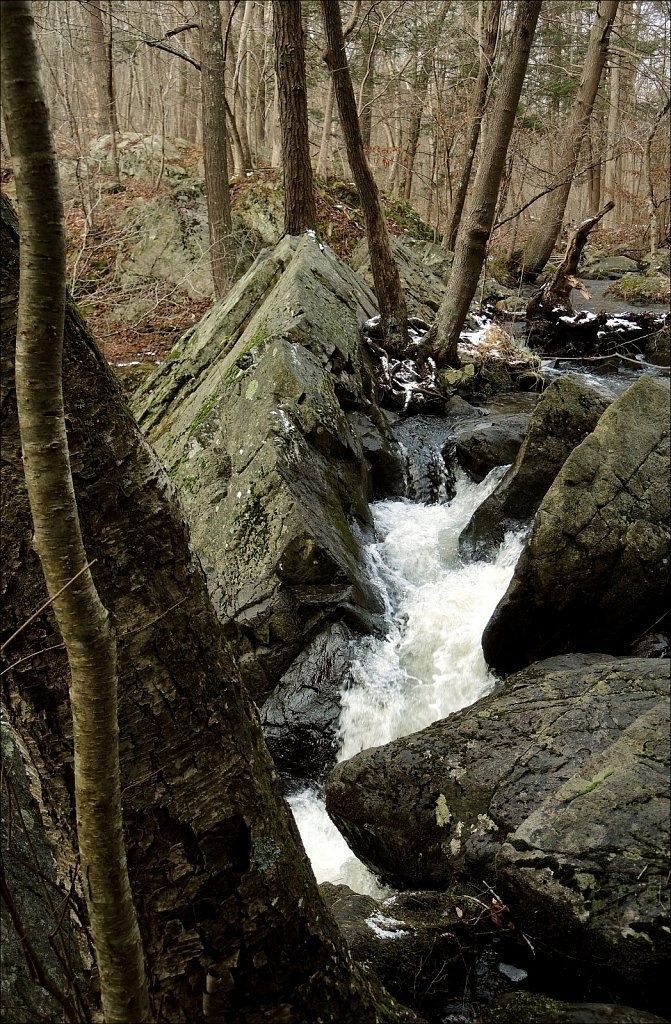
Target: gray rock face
pixel 424 269
pixel 300 718
pixel 532 1008
pixel 30 875
pixel 568 411
pixel 489 442
pixel 609 268
pixel 554 789
pixel 595 571
pixel 247 416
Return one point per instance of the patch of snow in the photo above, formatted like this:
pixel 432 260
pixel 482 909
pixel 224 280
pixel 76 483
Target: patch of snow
pixel 311 232
pixel 373 322
pixel 515 974
pixel 618 323
pixel 133 362
pixel 387 927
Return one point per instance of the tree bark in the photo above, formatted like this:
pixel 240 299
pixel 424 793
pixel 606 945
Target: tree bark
pixel 388 289
pixel 215 137
pixel 300 212
pixel 103 76
pixel 82 619
pixel 472 239
pixel 490 31
pixel 541 244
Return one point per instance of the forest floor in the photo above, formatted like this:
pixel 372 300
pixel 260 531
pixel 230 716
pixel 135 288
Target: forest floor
pixel 93 256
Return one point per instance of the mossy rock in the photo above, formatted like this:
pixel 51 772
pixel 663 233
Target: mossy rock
pixel 641 289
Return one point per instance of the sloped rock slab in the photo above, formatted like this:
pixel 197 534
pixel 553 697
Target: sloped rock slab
pixel 568 411
pixel 555 790
pixel 247 415
pixel 595 572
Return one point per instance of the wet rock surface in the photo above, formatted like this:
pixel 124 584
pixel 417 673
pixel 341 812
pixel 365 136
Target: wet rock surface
pixel 554 789
pixel 491 441
pixel 566 413
pixel 595 571
pixel 300 718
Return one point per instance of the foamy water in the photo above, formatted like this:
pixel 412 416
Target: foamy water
pixel 430 664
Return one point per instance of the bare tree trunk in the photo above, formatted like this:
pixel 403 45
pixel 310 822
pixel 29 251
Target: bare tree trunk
pixel 212 72
pixel 556 292
pixel 82 620
pixel 649 188
pixel 300 212
pixel 473 238
pixel 103 76
pixel 324 158
pixel 540 246
pixel 388 289
pixel 490 30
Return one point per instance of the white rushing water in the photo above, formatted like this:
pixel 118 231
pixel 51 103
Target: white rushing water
pixel 430 664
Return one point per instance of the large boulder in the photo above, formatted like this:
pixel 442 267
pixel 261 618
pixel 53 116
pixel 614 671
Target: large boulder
pixel 554 789
pixel 247 415
pixel 424 269
pixel 490 441
pixel 36 926
pixel 609 268
pixel 568 411
pixel 595 571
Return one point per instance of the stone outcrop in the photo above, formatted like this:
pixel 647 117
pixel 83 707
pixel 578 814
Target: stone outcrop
pixel 247 415
pixel 554 789
pixel 568 411
pixel 424 268
pixel 595 571
pixel 39 907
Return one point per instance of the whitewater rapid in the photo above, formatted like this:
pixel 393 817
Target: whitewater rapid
pixel 430 663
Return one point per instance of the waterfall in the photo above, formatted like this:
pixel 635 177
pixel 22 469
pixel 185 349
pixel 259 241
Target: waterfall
pixel 429 664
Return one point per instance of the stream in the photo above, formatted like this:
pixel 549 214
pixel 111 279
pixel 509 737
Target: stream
pixel 429 664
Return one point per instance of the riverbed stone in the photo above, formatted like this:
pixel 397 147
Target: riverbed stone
pixel 594 573
pixel 554 790
pixel 247 415
pixel 435 951
pixel 609 268
pixel 489 441
pixel 300 718
pixel 567 412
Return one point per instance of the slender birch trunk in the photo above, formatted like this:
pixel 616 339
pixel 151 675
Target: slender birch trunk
pixel 83 621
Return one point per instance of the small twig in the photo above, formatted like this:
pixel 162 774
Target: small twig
pixel 46 604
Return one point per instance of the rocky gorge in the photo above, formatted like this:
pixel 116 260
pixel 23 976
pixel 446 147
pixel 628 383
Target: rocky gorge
pixel 544 805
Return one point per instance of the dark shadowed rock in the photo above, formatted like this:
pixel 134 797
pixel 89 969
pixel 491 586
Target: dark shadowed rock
pixel 533 1008
pixel 568 411
pixel 435 950
pixel 555 790
pixel 300 718
pixel 490 441
pixel 39 906
pixel 595 572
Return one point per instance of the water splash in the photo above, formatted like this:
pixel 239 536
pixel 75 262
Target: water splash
pixel 430 664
